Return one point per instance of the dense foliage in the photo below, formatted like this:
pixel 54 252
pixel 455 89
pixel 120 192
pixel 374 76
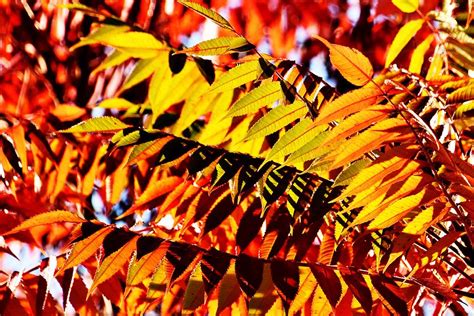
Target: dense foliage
pixel 144 168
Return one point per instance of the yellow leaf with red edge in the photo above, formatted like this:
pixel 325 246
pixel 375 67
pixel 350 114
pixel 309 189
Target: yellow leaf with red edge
pixel 351 63
pixel 404 35
pixel 85 248
pixel 47 219
pixel 415 228
pixel 113 263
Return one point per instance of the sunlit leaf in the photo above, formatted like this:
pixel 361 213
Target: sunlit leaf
pixel 418 56
pixel 407 6
pixel 276 119
pixel 85 248
pixel 352 64
pixel 97 124
pixel 237 76
pixel 404 35
pixel 113 263
pixel 265 94
pixel 208 13
pixel 218 46
pixel 348 104
pixel 47 219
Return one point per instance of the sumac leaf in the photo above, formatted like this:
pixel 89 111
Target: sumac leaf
pixel 249 272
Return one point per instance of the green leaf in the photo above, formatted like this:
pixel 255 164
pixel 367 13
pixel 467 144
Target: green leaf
pixel 263 95
pixel 97 124
pixel 208 13
pixel 237 76
pixel 404 35
pixel 407 6
pixel 276 119
pixel 218 46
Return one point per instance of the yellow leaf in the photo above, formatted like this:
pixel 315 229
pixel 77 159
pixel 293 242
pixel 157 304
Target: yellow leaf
pixel 145 266
pixel 404 35
pixel 116 103
pixel 276 119
pixel 418 56
pixel 407 6
pixel 351 63
pixel 304 292
pixel 85 248
pixel 208 13
pixel 237 76
pixel 113 59
pixel 143 69
pixel 357 122
pixel 46 219
pixel 135 44
pixel 397 210
pixel 97 124
pixel 194 295
pixel 383 195
pixel 384 165
pixel 263 95
pixel 218 46
pixel 68 112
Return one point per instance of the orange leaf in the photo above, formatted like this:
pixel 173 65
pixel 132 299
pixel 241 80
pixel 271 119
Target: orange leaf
pixel 351 63
pixel 153 190
pixel 85 248
pixel 46 219
pixel 113 263
pixel 304 293
pixel 371 139
pixel 349 103
pixel 146 265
